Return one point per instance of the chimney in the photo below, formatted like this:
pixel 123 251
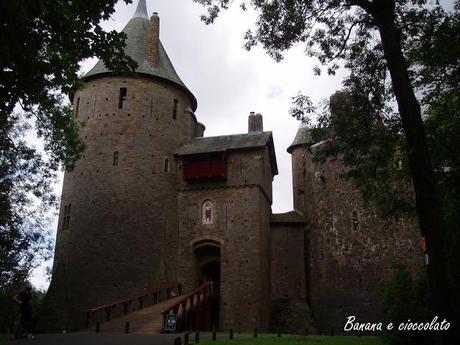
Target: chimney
pixel 255 123
pixel 153 42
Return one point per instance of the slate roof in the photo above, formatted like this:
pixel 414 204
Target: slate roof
pixel 291 217
pixel 302 137
pixel 137 31
pixel 224 143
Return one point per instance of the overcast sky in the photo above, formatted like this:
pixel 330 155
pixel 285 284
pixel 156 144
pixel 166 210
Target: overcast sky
pixel 229 82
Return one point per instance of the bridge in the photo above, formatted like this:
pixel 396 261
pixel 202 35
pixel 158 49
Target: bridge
pixel 146 313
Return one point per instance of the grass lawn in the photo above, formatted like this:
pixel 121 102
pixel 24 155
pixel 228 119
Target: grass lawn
pixel 295 340
pixel 5 337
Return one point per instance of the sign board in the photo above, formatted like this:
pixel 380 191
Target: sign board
pixel 171 322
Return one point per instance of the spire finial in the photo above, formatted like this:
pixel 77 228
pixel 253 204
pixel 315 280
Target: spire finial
pixel 141 11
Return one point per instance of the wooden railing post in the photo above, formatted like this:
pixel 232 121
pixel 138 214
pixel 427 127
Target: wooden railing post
pixel 141 302
pixel 198 316
pixel 186 340
pixel 108 313
pixel 88 319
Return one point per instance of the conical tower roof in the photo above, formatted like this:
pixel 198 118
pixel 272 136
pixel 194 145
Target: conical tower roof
pixel 302 138
pixel 137 31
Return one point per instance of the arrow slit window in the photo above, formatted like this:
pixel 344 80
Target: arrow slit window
pixel 115 158
pixel 122 97
pixel 175 103
pixel 355 220
pixel 77 107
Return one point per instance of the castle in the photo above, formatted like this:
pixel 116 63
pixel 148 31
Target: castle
pixel 153 201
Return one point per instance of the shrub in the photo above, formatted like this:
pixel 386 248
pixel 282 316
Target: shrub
pixel 407 298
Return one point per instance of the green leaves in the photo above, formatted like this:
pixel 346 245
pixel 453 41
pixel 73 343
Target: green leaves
pixel 43 43
pixel 371 148
pixel 302 108
pixel 407 298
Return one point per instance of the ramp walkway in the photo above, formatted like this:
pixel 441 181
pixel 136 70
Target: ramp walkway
pixel 140 313
pixel 148 320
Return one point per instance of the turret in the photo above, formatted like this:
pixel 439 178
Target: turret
pixel 117 223
pixel 297 151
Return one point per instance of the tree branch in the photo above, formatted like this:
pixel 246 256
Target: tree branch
pixel 344 44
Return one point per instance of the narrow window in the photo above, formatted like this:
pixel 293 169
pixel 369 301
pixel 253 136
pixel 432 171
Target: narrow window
pixel 175 108
pixel 115 158
pixel 77 107
pixel 166 165
pixel 66 219
pixel 355 220
pixel 122 97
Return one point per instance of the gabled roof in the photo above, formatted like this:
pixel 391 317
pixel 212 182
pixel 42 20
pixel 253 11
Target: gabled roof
pixel 137 31
pixel 224 143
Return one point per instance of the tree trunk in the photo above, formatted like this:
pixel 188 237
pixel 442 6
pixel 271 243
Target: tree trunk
pixel 427 200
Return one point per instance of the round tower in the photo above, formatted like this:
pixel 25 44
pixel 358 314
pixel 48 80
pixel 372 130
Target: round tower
pixel 117 225
pixel 298 158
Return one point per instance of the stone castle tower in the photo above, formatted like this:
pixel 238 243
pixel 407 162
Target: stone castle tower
pixel 118 209
pixel 154 202
pixel 349 249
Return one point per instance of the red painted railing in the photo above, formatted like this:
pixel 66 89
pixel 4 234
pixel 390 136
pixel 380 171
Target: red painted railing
pixel 127 305
pixel 194 310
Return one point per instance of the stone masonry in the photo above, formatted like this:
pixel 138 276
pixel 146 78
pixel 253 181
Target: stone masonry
pixel 349 250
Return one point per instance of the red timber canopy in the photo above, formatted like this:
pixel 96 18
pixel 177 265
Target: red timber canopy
pixel 205 158
pixel 203 166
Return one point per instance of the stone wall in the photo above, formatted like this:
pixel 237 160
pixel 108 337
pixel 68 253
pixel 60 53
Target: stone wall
pixel 287 261
pixel 242 230
pixel 122 195
pixel 289 308
pixel 350 249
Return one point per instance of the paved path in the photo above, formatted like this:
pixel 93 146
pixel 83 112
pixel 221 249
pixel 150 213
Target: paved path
pixel 86 338
pixel 113 338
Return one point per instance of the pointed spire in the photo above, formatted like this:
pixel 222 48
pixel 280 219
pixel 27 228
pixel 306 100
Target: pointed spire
pixel 141 11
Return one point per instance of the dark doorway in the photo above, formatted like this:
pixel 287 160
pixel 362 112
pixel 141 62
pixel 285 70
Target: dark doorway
pixel 211 272
pixel 207 260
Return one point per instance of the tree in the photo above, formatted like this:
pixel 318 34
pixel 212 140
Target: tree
pixel 356 31
pixel 42 44
pixel 406 298
pixel 368 136
pixel 371 147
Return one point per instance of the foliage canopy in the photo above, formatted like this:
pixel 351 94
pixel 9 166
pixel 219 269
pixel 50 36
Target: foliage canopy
pixel 43 43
